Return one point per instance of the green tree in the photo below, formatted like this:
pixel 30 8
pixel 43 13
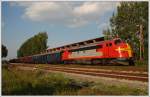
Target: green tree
pixel 33 45
pixel 125 21
pixel 4 51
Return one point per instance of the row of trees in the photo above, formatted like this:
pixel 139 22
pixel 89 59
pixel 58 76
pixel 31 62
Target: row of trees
pixel 126 24
pixel 33 45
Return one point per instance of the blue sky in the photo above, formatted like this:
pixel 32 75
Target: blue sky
pixel 64 22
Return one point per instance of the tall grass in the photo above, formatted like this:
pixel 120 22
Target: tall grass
pixel 19 82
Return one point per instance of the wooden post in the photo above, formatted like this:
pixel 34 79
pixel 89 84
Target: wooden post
pixel 141 43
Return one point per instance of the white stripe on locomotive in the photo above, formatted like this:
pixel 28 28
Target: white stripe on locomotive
pixel 85 53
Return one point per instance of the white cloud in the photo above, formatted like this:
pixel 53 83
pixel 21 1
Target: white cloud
pixel 92 11
pixel 72 14
pixel 89 8
pixel 86 8
pixel 47 11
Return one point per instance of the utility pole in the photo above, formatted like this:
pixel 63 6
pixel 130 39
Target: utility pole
pixel 141 43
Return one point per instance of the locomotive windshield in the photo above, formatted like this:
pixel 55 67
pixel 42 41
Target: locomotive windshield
pixel 117 42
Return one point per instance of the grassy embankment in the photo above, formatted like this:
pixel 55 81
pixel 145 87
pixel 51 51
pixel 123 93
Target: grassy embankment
pixel 19 82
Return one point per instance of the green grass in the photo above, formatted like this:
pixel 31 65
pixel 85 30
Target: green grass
pixel 19 82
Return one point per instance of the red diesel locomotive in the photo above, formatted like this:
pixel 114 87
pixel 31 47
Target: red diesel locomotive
pixel 98 52
pixel 108 51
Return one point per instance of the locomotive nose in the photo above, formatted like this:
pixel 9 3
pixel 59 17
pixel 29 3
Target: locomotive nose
pixel 124 50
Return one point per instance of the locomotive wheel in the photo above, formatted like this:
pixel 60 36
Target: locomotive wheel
pixel 131 62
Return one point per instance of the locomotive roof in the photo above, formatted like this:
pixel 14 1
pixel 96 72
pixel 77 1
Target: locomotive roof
pixel 80 43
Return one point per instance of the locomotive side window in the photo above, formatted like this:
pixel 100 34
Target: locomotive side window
pixel 117 42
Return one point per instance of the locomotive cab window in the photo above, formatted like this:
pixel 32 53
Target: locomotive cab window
pixel 110 44
pixel 117 42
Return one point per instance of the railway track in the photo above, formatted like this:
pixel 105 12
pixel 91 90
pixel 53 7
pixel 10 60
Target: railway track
pixel 96 72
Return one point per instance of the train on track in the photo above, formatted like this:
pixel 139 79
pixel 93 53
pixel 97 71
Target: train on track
pixel 93 51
